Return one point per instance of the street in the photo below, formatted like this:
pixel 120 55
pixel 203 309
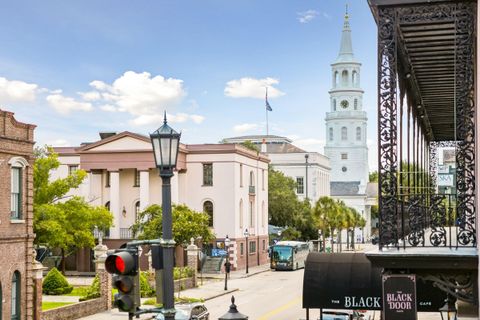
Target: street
pixel 269 295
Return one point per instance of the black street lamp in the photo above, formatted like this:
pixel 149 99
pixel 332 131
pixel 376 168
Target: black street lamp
pixel 233 313
pixel 245 233
pixel 227 263
pixel 165 142
pixel 448 309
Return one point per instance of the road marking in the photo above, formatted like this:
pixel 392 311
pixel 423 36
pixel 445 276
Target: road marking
pixel 276 311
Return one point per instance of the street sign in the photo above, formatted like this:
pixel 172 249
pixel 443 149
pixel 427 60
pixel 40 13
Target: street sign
pixel 399 297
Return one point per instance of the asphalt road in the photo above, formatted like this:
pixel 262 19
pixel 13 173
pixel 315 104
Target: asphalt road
pixel 269 295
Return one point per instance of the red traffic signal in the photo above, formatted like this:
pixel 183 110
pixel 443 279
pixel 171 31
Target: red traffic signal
pixel 121 263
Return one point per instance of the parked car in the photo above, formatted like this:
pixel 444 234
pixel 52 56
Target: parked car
pixel 188 311
pixel 343 315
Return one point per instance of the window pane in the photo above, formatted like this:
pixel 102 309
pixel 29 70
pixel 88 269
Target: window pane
pixel 165 148
pixel 208 174
pixel 300 185
pixel 15 195
pixel 15 307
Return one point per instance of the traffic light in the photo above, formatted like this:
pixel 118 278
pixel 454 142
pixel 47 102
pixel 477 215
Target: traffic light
pixel 123 264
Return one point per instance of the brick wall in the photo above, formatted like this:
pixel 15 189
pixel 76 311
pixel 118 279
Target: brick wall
pixel 16 236
pixel 75 311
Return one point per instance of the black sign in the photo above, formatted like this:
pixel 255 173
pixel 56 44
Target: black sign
pixel 399 297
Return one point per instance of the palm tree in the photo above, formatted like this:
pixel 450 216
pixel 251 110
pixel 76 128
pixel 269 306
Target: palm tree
pixel 326 211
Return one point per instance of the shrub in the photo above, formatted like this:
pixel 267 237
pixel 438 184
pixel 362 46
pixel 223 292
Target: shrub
pixel 55 283
pixel 92 291
pixel 182 273
pixel 146 290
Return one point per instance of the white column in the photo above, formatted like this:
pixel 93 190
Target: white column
pixel 174 183
pixel 144 189
pixel 95 192
pixel 115 203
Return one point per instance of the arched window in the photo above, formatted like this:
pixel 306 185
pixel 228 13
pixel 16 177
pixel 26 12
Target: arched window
pixel 240 209
pixel 330 134
pixel 359 134
pixel 137 209
pixel 107 205
pixel 344 133
pixel 208 209
pixel 16 296
pixel 354 78
pixel 355 104
pixel 252 179
pixel 336 79
pixel 334 105
pixel 344 77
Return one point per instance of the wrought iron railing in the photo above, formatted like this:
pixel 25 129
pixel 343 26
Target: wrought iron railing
pixel 426 220
pixel 125 233
pixel 251 189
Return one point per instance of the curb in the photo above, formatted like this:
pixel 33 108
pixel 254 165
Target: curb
pixel 252 274
pixel 221 294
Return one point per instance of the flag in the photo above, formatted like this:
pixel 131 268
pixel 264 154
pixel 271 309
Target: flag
pixel 267 105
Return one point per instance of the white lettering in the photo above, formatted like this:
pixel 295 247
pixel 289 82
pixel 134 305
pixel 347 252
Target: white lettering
pixel 348 303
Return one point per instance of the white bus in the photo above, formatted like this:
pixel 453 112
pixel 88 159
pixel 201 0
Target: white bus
pixel 288 255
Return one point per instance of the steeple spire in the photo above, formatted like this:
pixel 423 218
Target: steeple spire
pixel 346 49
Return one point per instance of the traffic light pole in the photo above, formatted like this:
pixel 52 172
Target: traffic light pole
pixel 168 245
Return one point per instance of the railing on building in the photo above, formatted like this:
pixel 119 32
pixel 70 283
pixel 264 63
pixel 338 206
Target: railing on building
pixel 125 233
pixel 251 190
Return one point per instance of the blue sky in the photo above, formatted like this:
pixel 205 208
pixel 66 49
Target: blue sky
pixel 75 68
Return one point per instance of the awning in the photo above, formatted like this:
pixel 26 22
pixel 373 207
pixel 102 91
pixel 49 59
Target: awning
pixel 349 281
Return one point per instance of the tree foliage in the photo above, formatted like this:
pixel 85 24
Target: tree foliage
pixel 250 145
pixel 55 283
pixel 186 222
pixel 62 221
pixel 333 215
pixel 283 203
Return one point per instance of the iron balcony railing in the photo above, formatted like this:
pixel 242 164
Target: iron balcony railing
pixel 125 233
pixel 251 189
pixel 425 220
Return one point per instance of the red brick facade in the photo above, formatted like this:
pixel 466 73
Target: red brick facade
pixel 16 235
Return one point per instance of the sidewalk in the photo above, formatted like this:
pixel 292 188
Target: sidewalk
pixel 213 284
pixel 212 287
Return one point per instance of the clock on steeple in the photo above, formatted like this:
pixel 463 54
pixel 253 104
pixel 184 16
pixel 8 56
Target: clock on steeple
pixel 344 104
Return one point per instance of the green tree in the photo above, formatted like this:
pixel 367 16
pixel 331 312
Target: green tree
pixel 305 222
pixel 282 199
pixel 186 222
pixel 373 176
pixel 62 221
pixel 326 212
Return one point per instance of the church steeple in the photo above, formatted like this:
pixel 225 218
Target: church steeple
pixel 346 49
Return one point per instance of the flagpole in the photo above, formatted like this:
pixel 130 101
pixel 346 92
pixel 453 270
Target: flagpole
pixel 266 110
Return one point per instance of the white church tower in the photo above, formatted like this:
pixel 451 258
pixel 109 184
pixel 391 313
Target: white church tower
pixel 346 123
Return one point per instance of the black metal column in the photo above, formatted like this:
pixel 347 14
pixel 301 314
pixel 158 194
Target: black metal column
pixel 168 245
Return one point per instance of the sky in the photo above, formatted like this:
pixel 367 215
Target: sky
pixel 77 68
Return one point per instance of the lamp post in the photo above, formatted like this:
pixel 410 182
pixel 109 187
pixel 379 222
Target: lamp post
pixel 165 143
pixel 306 176
pixel 448 309
pixel 227 263
pixel 245 233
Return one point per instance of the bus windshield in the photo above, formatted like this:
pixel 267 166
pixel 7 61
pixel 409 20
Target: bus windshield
pixel 282 253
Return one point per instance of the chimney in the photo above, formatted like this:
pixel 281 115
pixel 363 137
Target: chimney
pixel 104 135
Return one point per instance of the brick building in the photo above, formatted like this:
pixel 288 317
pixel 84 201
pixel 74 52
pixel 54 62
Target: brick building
pixel 16 218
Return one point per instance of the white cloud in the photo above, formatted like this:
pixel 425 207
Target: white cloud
pixel 108 108
pixel 307 16
pixel 172 118
pixel 141 94
pixel 65 105
pixel 17 91
pixel 242 128
pixel 252 88
pixel 90 96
